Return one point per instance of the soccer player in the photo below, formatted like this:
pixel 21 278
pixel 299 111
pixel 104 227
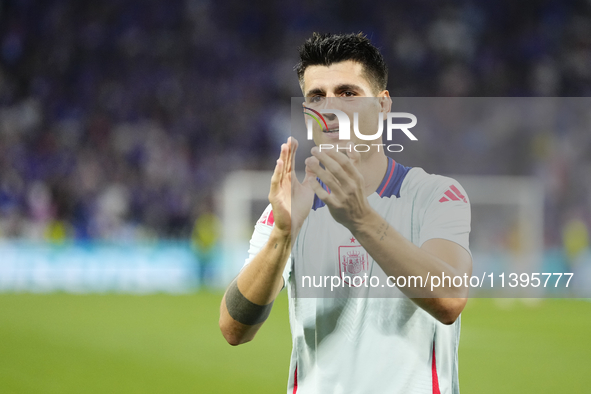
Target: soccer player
pixel 398 221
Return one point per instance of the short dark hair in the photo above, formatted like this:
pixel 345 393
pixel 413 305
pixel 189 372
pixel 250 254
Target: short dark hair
pixel 326 49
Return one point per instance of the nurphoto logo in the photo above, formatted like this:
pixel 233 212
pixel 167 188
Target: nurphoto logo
pixel 344 128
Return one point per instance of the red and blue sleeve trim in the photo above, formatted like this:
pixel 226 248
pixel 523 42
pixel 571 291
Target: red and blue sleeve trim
pixel 392 181
pixel 389 187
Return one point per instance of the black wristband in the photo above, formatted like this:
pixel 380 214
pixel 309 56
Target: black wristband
pixel 243 310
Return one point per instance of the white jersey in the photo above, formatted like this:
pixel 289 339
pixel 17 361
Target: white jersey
pixel 372 345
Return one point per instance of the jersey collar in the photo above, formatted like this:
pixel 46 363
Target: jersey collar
pixel 393 178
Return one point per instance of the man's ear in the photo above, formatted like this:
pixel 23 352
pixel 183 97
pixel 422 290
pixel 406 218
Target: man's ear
pixel 385 101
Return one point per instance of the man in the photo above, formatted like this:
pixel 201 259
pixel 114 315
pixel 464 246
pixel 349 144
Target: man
pixel 398 217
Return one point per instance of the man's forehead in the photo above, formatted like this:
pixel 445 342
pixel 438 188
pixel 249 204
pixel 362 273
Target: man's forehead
pixel 326 78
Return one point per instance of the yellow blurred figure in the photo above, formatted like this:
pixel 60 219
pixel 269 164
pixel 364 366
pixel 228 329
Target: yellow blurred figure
pixel 204 239
pixel 575 238
pixel 205 231
pixel 56 231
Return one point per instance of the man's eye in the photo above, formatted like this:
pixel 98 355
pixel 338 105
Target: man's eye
pixel 315 99
pixel 349 94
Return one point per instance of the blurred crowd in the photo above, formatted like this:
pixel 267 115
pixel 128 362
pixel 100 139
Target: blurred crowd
pixel 119 118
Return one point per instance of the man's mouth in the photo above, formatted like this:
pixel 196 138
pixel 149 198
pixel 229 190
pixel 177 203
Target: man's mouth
pixel 331 130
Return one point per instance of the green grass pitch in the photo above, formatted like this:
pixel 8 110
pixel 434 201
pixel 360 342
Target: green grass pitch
pixel 62 343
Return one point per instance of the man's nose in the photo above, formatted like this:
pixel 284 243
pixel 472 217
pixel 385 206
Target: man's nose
pixel 330 101
pixel 329 116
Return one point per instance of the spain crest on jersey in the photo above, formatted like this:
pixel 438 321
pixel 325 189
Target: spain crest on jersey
pixel 353 261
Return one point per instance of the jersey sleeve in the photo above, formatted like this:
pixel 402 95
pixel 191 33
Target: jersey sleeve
pixel 447 214
pixel 260 236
